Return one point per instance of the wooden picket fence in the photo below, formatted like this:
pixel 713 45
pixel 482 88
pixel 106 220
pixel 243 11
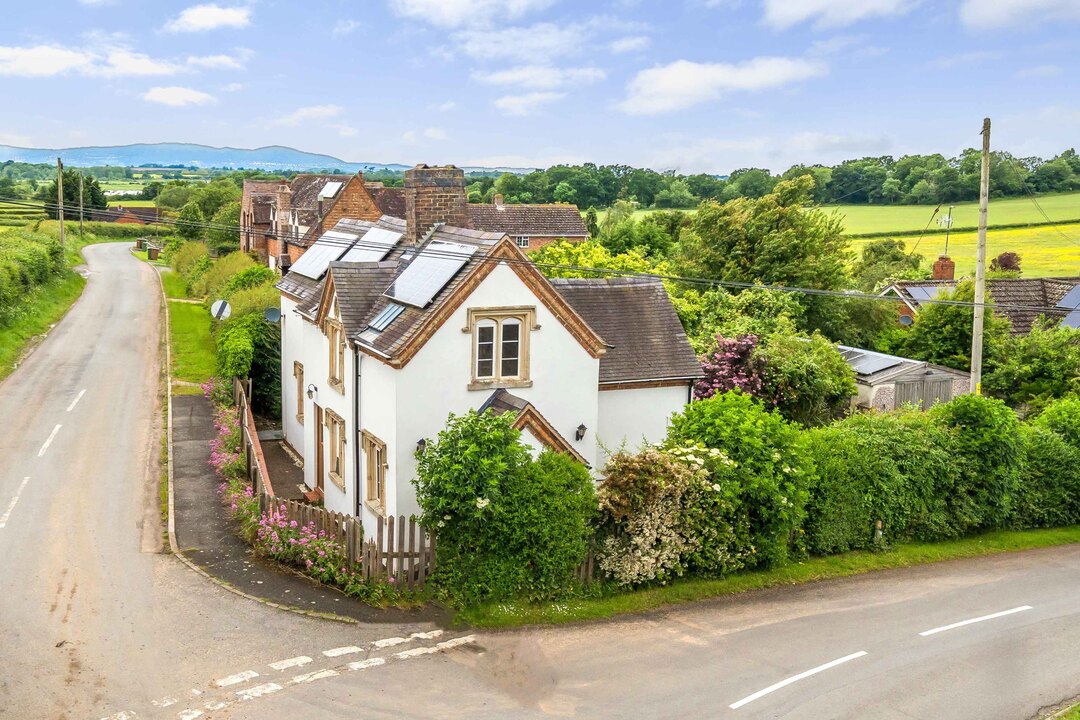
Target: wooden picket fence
pixel 257 475
pixel 401 552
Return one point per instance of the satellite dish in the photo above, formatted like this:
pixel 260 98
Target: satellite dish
pixel 221 310
pixel 906 320
pixel 272 315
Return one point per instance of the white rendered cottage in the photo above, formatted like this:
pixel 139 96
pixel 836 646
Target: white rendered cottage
pixel 387 330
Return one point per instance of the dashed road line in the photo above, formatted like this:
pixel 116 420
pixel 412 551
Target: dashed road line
pixel 48 442
pixel 430 635
pixel 76 400
pixel 189 714
pixel 795 678
pixel 389 642
pixel 339 651
pixel 236 679
pixel 365 664
pixel 14 500
pixel 962 623
pixel 297 661
pixel 258 691
pixel 313 676
pixel 164 702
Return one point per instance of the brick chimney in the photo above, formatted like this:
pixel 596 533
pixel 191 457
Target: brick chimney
pixel 944 269
pixel 498 200
pixel 434 195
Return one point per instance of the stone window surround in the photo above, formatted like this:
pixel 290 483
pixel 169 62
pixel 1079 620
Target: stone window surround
pixel 526 316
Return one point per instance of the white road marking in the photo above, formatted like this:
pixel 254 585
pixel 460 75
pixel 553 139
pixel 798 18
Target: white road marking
pixel 76 400
pixel 217 705
pixel 11 506
pixel 258 691
pixel 414 652
pixel 189 714
pixel 164 702
pixel 427 635
pixel 291 662
pixel 454 642
pixel 338 652
pixel 365 664
pixel 313 676
pixel 48 442
pixel 795 678
pixel 122 715
pixel 962 623
pixel 390 641
pixel 237 678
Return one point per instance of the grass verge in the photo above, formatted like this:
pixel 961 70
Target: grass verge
pixel 1072 713
pixel 511 614
pixel 42 307
pixel 175 287
pixel 192 345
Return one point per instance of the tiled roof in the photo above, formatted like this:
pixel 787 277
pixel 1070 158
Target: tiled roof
pixel 390 201
pixel 502 401
pixel 300 287
pixel 305 194
pixel 1021 300
pixel 358 287
pixel 528 220
pixel 636 319
pixel 259 187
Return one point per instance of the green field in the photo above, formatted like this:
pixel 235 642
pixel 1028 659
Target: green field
pixel 132 203
pixel 862 219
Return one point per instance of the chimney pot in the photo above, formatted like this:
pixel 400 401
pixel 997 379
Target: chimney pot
pixel 944 269
pixel 498 200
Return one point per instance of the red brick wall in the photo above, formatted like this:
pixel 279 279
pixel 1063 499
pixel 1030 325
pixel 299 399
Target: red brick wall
pixel 433 195
pixel 353 201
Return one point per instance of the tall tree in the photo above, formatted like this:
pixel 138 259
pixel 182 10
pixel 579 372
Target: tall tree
pixel 93 195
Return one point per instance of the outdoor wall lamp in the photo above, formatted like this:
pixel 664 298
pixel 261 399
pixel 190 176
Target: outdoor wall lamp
pixel 580 434
pixel 421 445
pixel 311 390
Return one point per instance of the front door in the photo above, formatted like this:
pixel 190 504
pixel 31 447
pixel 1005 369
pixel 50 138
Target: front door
pixel 319 467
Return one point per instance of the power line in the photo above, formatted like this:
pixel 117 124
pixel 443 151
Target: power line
pixel 740 285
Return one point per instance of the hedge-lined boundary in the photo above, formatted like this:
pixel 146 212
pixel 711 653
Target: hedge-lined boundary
pixel 509 614
pixel 965 229
pixel 43 307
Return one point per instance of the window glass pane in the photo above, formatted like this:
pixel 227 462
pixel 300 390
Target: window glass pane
pixel 509 367
pixel 511 336
pixel 485 350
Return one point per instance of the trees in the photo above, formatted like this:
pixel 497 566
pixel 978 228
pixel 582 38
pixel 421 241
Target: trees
pixel 676 195
pixel 882 260
pixel 190 222
pixel 1033 369
pixel 93 195
pixel 224 234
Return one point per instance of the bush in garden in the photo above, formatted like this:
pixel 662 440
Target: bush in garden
pixel 1063 417
pixel 507 525
pixel 733 364
pixel 807 378
pixel 771 466
pixel 190 222
pixel 896 468
pixel 212 283
pixel 1048 494
pixel 188 257
pixel 1033 369
pixel 249 277
pixel 987 443
pixel 255 300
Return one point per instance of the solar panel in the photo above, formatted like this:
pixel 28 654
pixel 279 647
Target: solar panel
pixel 429 272
pixel 1071 300
pixel 921 293
pixel 387 316
pixel 1072 319
pixel 329 190
pixel 313 263
pixel 871 363
pixel 373 246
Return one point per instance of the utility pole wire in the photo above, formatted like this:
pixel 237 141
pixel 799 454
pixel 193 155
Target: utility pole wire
pixel 980 264
pixel 60 197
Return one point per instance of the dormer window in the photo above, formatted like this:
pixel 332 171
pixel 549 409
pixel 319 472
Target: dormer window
pixel 335 333
pixel 523 242
pixel 500 338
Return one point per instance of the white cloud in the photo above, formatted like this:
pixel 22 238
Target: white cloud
pixel 41 60
pixel 950 61
pixel 535 43
pixel 412 137
pixel 232 87
pixel 209 17
pixel 778 153
pixel 446 106
pixel 782 14
pixel 434 133
pixel 121 62
pixel 217 62
pixel 409 136
pixel 177 96
pixel 525 104
pixel 632 43
pixel 345 130
pixel 543 160
pixel 682 84
pixel 345 27
pixel 1039 71
pixel 97 3
pixel 308 114
pixel 15 139
pixel 458 13
pixel 980 14
pixel 542 77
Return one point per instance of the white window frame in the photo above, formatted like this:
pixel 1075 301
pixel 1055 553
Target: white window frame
pixel 498 319
pixel 522 241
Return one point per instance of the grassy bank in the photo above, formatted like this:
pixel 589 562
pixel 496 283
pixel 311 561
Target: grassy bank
pixel 507 615
pixel 192 345
pixel 43 307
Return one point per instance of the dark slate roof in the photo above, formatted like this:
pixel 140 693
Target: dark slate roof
pixel 301 287
pixel 531 220
pixel 636 319
pixel 390 201
pixel 358 287
pixel 391 341
pixel 502 401
pixel 305 194
pixel 1021 300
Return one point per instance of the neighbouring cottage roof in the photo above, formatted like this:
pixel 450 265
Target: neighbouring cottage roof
pixel 389 200
pixel 261 208
pixel 1021 300
pixel 358 287
pixel 527 417
pixel 874 368
pixel 305 195
pixel 258 187
pixel 557 220
pixel 635 317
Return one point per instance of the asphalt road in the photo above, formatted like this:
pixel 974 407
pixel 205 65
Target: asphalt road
pixel 96 622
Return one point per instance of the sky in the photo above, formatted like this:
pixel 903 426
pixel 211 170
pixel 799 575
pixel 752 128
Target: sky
pixel 686 85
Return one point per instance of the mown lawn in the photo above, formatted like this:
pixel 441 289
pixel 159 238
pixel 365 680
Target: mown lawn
pixel 1044 251
pixel 175 287
pixel 511 614
pixel 44 306
pixel 192 345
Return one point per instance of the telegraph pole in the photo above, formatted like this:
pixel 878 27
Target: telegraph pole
pixel 81 206
pixel 980 265
pixel 60 197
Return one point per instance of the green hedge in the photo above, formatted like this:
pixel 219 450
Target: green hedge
pixel 27 260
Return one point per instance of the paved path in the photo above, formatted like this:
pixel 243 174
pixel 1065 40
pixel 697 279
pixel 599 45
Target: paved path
pixel 96 622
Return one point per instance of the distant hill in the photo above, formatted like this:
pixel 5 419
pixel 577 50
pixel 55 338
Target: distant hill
pixel 273 157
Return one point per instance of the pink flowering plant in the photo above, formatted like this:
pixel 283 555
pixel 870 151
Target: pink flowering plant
pixel 733 364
